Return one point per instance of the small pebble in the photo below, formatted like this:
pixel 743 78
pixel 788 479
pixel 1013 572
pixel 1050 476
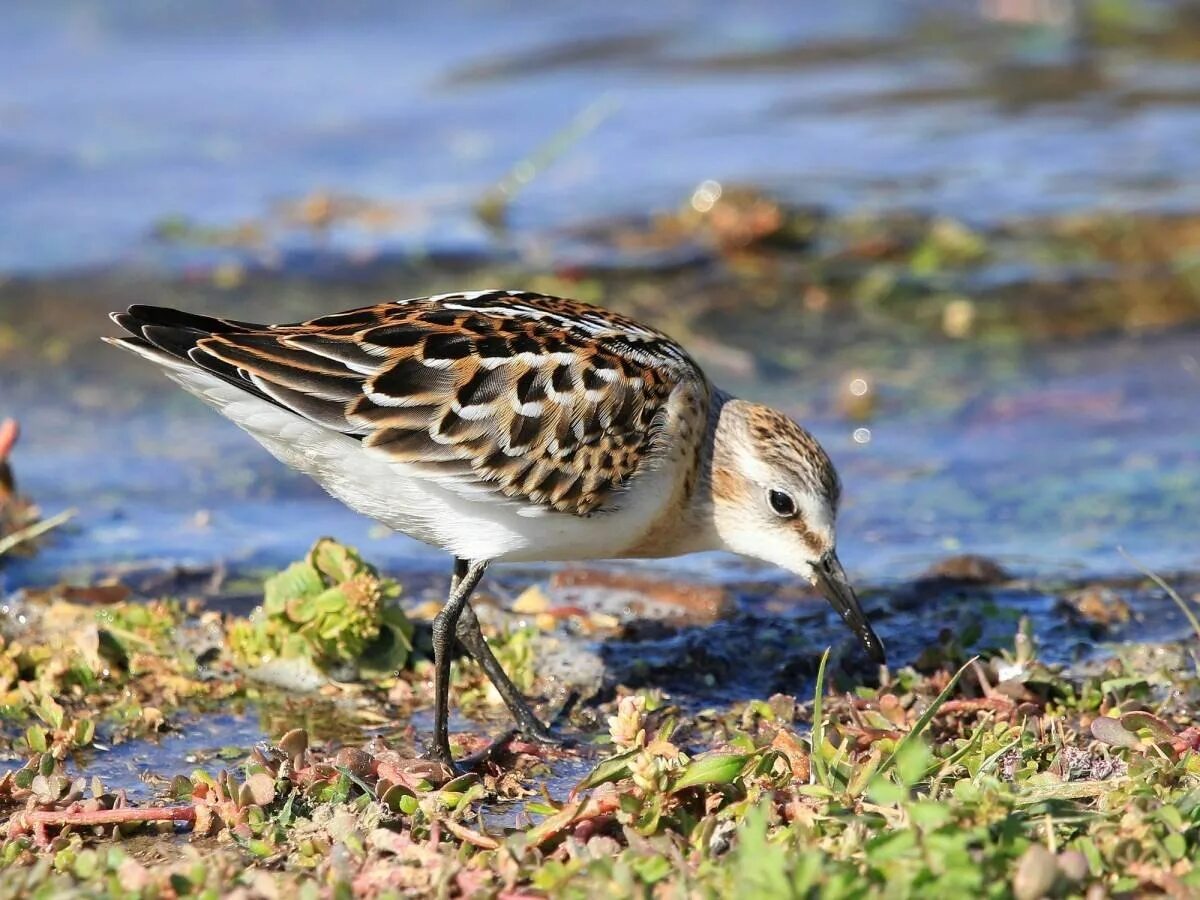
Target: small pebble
pixel 1037 870
pixel 1074 865
pixel 261 787
pixel 968 567
pixel 533 600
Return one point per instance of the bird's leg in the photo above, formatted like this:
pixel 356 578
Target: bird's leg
pixel 444 627
pixel 470 635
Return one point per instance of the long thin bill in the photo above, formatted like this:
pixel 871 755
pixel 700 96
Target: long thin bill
pixel 831 581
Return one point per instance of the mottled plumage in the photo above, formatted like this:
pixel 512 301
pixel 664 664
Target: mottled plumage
pixel 545 400
pixel 508 425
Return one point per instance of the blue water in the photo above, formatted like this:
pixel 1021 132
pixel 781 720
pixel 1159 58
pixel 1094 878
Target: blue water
pixel 1049 469
pixel 116 115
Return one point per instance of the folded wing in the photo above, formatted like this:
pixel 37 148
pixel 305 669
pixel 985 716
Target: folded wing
pixel 540 400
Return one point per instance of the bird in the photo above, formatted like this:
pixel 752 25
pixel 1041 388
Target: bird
pixel 512 426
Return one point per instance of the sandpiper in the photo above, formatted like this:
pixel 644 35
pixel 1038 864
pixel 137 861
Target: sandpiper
pixel 509 426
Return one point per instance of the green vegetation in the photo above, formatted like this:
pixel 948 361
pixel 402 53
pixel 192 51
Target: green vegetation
pixel 328 609
pixel 1004 778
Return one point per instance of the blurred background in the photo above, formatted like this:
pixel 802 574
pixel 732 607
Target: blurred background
pixel 959 240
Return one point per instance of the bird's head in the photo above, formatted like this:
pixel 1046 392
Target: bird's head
pixel 775 497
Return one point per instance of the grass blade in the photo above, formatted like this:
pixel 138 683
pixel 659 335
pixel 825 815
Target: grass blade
pixel 926 717
pixel 718 768
pixel 494 204
pixel 953 759
pixel 612 769
pixel 37 529
pixel 996 757
pixel 817 736
pixel 1171 592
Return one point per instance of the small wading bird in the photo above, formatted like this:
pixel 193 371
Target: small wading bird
pixel 506 426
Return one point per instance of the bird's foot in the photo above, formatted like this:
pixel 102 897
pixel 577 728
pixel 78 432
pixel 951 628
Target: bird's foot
pixel 541 733
pixel 443 757
pixel 533 728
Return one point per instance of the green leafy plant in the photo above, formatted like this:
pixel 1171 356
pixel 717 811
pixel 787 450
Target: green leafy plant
pixel 329 608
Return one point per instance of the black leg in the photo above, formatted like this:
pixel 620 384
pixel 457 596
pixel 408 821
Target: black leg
pixel 444 628
pixel 471 637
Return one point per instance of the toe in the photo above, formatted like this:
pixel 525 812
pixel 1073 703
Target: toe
pixel 445 759
pixel 543 734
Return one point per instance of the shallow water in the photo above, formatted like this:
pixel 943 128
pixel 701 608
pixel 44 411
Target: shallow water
pixel 1048 456
pixel 1047 462
pixel 144 768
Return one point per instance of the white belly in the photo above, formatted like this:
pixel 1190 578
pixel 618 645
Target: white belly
pixel 480 528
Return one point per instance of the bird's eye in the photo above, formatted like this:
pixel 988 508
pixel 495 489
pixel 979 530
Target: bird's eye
pixel 783 504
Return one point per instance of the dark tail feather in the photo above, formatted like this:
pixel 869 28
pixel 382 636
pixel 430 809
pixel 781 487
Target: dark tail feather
pixel 176 333
pixel 177 318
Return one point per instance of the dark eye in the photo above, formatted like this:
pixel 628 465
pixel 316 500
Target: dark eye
pixel 782 504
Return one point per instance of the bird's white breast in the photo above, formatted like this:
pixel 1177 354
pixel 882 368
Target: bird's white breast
pixel 471 525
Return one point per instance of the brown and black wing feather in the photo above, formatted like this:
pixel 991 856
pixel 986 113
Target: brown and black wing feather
pixel 538 399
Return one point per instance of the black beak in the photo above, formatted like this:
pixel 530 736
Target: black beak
pixel 831 580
